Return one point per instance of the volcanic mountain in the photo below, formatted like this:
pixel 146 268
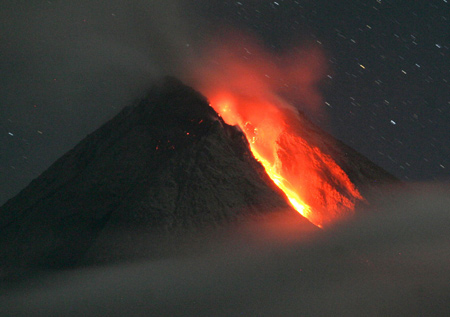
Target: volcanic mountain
pixel 166 165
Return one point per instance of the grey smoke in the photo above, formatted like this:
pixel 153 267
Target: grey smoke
pixel 392 262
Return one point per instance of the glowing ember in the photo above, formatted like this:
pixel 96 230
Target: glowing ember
pixel 247 89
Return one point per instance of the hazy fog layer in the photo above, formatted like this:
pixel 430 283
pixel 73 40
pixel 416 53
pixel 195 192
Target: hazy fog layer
pixel 394 262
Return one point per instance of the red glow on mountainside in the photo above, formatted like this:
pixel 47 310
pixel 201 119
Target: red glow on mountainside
pixel 250 88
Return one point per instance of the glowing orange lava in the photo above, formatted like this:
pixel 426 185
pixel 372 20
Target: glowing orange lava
pixel 251 88
pixel 314 184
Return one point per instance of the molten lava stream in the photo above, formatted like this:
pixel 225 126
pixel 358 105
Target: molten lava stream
pixel 314 184
pixel 284 185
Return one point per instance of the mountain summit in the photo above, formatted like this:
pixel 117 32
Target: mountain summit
pixel 167 164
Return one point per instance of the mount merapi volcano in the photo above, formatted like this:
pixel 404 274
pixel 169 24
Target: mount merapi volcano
pixel 166 165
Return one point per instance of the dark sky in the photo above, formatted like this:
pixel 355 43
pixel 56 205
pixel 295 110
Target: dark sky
pixel 66 68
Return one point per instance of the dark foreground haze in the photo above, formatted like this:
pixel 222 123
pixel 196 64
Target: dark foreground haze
pixel 393 262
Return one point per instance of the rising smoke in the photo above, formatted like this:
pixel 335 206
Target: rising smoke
pixel 240 63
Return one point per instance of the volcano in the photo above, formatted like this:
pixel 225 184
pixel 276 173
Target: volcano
pixel 167 165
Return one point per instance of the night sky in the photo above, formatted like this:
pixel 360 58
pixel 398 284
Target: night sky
pixel 66 68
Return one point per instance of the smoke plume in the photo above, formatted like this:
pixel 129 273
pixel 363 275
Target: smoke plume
pixel 239 63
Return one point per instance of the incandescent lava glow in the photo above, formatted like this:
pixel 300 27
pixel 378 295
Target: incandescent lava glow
pixel 262 139
pixel 251 88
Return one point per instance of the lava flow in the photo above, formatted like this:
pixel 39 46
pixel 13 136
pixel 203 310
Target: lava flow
pixel 314 184
pixel 248 87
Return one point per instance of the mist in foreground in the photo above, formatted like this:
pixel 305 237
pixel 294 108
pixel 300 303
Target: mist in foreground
pixel 392 262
